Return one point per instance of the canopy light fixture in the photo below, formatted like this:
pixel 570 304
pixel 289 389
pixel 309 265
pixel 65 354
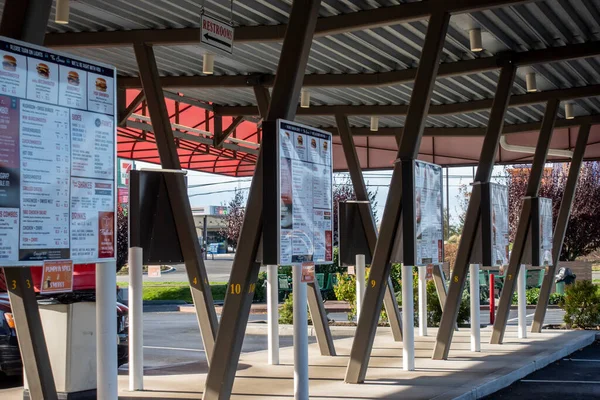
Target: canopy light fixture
pixel 304 99
pixel 374 124
pixel 530 80
pixel 62 12
pixel 475 39
pixel 569 114
pixel 208 64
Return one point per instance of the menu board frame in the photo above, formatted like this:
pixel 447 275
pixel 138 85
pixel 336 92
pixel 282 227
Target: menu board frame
pixel 422 256
pixel 545 231
pixel 499 209
pixel 49 63
pixel 316 144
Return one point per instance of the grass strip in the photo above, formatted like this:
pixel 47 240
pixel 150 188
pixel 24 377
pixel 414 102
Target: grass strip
pixel 176 290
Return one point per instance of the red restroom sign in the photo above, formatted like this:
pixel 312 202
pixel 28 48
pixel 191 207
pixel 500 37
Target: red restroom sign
pixel 216 35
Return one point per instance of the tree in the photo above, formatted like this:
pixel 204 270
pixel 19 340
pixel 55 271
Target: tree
pixel 122 237
pixel 463 197
pixel 450 229
pixel 236 210
pixel 583 231
pixel 345 191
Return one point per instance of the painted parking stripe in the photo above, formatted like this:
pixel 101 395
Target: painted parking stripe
pixel 516 318
pixel 580 360
pixel 551 381
pixel 173 348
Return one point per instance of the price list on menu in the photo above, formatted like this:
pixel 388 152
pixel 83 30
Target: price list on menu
pixel 428 213
pixel 305 191
pixel 57 157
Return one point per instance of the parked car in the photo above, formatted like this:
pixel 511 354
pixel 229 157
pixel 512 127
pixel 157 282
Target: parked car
pixel 83 290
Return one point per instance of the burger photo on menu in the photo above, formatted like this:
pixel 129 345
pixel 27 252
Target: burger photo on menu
pixel 300 140
pixel 313 143
pixel 73 78
pixel 43 71
pixel 101 84
pixel 9 63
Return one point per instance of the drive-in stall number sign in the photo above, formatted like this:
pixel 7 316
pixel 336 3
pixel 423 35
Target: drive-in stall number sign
pixel 216 34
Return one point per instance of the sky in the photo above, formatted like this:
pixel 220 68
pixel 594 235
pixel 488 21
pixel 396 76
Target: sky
pixel 209 189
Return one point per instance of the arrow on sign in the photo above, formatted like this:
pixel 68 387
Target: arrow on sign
pixel 214 39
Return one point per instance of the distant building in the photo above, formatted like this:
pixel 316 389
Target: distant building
pixel 215 220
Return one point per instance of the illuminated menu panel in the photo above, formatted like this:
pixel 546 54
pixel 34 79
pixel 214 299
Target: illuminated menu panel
pixel 57 157
pixel 305 192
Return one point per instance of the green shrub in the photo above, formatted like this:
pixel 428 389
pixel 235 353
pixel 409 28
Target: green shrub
pixel 345 290
pixel 218 291
pixel 434 309
pixel 396 277
pixel 285 270
pixel 260 291
pixel 286 312
pixel 532 295
pixel 556 299
pixel 582 305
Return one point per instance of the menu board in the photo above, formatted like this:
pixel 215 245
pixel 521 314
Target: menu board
pixel 429 213
pixel 305 193
pixel 545 206
pixel 499 196
pixel 57 157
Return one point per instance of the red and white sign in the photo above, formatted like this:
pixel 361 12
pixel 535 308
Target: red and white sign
pixel 308 272
pixel 216 34
pixel 57 277
pixel 429 275
pixel 153 271
pixel 125 167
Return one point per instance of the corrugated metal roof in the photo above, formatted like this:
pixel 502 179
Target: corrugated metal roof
pixel 534 25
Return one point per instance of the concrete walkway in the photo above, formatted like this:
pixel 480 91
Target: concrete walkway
pixel 465 375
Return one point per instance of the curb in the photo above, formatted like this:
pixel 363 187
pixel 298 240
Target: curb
pixel 190 308
pixel 506 377
pixel 163 302
pixel 171 269
pixel 261 328
pixel 158 303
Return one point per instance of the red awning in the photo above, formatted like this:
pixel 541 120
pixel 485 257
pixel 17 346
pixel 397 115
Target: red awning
pixel 138 144
pixel 374 152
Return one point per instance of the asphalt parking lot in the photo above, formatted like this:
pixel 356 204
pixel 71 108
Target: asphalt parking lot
pixel 574 377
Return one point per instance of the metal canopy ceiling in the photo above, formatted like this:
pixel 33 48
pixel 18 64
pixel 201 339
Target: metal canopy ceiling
pixel 524 26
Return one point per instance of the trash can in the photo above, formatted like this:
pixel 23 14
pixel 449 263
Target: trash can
pixel 564 277
pixel 70 332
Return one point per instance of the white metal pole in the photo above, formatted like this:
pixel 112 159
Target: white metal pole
pixel 422 300
pixel 475 311
pixel 360 283
pixel 106 328
pixel 522 304
pixel 273 314
pixel 300 336
pixel 136 320
pixel 408 323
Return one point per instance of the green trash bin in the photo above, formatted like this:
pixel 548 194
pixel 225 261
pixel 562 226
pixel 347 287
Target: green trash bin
pixel 560 287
